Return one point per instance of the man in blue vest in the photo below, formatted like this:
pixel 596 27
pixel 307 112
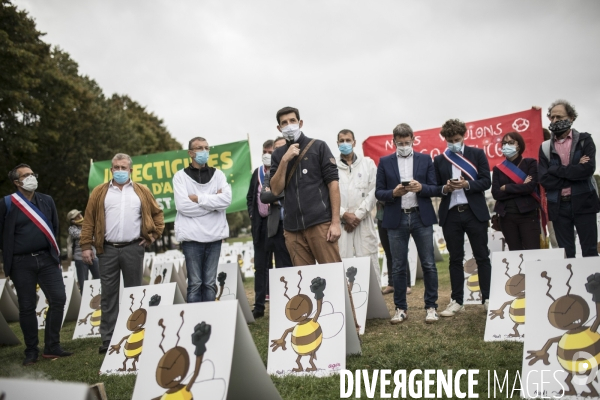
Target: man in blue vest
pixel 29 228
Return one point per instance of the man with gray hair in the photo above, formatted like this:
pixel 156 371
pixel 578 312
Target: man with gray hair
pixel 121 218
pixel 566 171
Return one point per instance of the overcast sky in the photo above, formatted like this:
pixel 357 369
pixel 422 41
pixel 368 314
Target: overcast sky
pixel 221 69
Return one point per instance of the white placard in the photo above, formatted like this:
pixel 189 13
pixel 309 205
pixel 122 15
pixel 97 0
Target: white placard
pixel 127 341
pixel 228 365
pixel 231 287
pixel 7 336
pixel 506 314
pixel 71 304
pixel 8 302
pixel 322 330
pixel 90 313
pixel 166 272
pixel 496 241
pixel 413 260
pixel 25 389
pixel 562 313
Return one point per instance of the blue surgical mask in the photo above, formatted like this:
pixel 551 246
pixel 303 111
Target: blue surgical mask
pixel 509 150
pixel 455 147
pixel 201 157
pixel 345 148
pixel 120 176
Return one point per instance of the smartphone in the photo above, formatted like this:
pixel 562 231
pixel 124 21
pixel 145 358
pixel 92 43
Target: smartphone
pixel 454 179
pixel 405 183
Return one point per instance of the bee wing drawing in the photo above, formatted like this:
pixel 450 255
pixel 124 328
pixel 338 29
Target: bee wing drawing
pixel 359 299
pixel 331 322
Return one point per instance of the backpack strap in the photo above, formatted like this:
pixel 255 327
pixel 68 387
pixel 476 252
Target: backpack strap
pixel 546 148
pixel 293 170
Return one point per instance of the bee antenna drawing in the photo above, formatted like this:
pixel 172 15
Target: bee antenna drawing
pixel 299 273
pixel 521 256
pixel 160 323
pixel 132 299
pixel 92 289
pixel 569 280
pixel 545 275
pixel 507 264
pixel 142 298
pixel 282 279
pixel 181 326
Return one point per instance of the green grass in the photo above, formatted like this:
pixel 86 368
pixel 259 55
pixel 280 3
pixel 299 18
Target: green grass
pixel 453 343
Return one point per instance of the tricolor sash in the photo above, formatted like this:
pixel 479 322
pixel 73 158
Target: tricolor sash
pixel 460 162
pixel 38 218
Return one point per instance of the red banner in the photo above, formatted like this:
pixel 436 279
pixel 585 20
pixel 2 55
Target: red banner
pixel 485 134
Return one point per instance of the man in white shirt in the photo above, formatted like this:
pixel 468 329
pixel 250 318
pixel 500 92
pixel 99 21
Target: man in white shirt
pixel 202 195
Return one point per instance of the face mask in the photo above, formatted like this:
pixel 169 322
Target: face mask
pixel 404 151
pixel 120 176
pixel 201 157
pixel 266 159
pixel 455 147
pixel 30 183
pixel 291 132
pixel 509 150
pixel 345 148
pixel 560 127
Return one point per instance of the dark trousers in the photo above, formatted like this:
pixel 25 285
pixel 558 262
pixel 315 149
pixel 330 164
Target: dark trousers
pixel 276 244
pixel 82 272
pixel 586 229
pixel 385 243
pixel 521 231
pixel 456 225
pixel 263 259
pixel 27 271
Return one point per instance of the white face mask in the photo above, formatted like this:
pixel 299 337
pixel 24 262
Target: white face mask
pixel 30 183
pixel 266 159
pixel 404 151
pixel 291 132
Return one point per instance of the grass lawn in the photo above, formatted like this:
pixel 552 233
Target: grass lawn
pixel 453 343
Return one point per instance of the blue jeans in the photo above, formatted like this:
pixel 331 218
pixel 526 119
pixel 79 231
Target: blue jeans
pixel 27 271
pixel 82 272
pixel 410 224
pixel 202 260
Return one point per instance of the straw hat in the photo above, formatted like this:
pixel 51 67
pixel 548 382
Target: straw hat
pixel 72 214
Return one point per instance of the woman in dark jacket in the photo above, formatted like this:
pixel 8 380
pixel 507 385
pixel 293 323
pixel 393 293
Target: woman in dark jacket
pixel 515 203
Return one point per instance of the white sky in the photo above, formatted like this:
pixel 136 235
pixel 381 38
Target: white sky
pixel 222 69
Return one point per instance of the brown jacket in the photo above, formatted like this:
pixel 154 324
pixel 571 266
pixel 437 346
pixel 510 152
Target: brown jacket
pixel 94 224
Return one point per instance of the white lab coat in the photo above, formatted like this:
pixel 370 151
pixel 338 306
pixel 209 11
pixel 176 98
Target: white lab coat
pixel 357 192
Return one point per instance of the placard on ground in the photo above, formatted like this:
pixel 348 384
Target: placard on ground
pixel 71 305
pixel 90 313
pixel 27 389
pixel 233 288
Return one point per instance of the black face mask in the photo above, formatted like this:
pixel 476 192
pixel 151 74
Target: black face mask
pixel 560 127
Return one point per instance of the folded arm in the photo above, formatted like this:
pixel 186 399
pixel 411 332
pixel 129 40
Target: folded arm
pixel 184 204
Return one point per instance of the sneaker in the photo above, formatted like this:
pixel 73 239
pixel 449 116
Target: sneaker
pixel 56 353
pixel 388 290
pixel 486 305
pixel 30 359
pixel 104 348
pixel 257 313
pixel 432 316
pixel 452 309
pixel 408 290
pixel 399 317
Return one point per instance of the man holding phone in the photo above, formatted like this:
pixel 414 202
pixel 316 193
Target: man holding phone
pixel 463 176
pixel 406 182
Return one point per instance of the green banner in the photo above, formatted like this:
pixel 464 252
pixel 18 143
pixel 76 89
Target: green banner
pixel 156 172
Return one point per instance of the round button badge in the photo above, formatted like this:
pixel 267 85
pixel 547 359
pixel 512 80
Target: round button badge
pixel 304 171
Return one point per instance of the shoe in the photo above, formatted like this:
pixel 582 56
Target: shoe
pixel 257 313
pixel 452 309
pixel 486 305
pixel 399 317
pixel 408 290
pixel 388 290
pixel 267 298
pixel 30 359
pixel 104 348
pixel 432 316
pixel 56 353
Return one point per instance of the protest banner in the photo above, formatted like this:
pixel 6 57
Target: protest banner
pixel 485 134
pixel 156 172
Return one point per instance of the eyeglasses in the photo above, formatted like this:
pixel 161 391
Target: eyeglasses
pixel 403 144
pixel 120 168
pixel 510 142
pixel 207 148
pixel 24 176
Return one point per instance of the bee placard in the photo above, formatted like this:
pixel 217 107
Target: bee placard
pixel 506 314
pixel 201 351
pixel 166 273
pixel 7 336
pixel 9 306
pixel 230 287
pixel 90 313
pixel 311 327
pixel 496 241
pixel 563 317
pixel 365 294
pixel 71 305
pixel 27 389
pixel 127 341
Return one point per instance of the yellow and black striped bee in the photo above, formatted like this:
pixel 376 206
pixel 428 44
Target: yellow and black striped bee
pixel 570 313
pixel 515 287
pixel 470 269
pixel 96 315
pixel 307 335
pixel 135 340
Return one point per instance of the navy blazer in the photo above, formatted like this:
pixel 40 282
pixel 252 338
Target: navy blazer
pixel 476 192
pixel 7 226
pixel 388 177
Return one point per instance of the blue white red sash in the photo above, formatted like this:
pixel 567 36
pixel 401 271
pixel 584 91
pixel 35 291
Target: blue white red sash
pixel 517 176
pixel 460 162
pixel 38 218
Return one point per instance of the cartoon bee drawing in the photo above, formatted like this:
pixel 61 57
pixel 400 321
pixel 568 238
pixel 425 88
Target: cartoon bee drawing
pixel 174 365
pixel 45 311
pixel 514 287
pixel 578 350
pixel 96 315
pixel 160 279
pixel 472 279
pixel 307 334
pixel 135 340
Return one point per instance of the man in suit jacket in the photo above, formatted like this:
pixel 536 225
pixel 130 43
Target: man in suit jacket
pixel 463 175
pixel 406 182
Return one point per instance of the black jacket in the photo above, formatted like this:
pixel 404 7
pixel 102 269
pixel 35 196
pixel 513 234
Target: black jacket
pixel 554 176
pixel 7 226
pixel 520 193
pixel 252 205
pixel 476 193
pixel 274 209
